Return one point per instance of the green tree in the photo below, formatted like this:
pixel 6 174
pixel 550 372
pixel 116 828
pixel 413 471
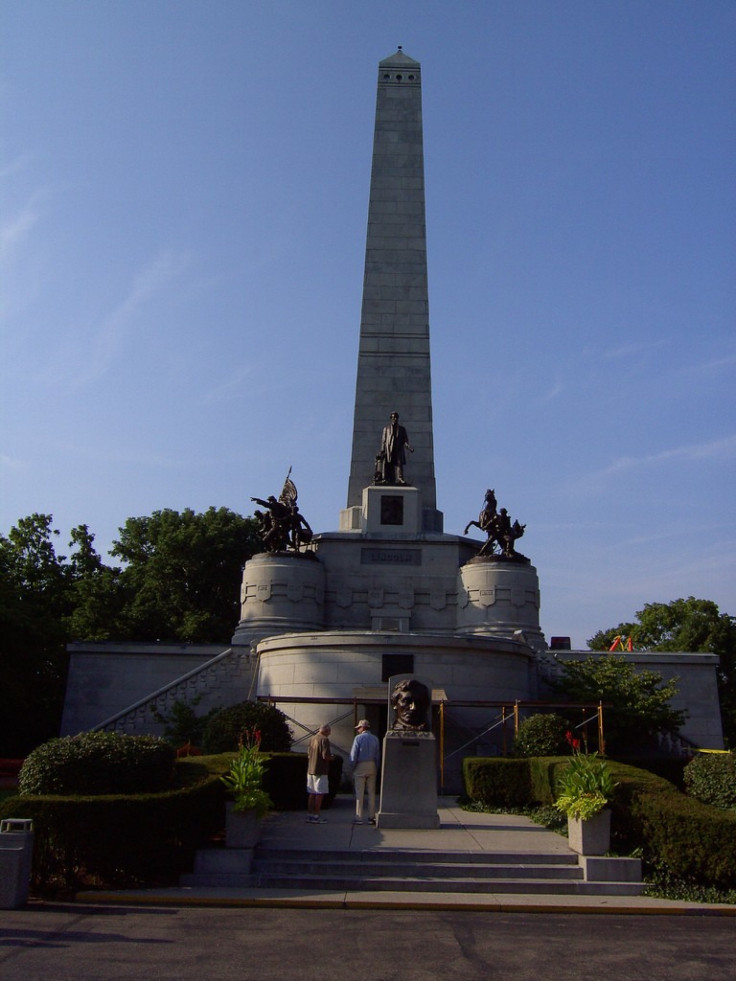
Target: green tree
pixel 181 574
pixel 34 584
pixel 686 625
pixel 179 582
pixel 96 595
pixel 636 703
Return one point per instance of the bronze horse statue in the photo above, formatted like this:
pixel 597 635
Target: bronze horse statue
pixel 498 527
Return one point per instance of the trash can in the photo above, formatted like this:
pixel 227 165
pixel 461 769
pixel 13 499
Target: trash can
pixel 16 858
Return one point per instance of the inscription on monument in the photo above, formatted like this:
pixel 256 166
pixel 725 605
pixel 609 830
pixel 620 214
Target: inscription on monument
pixel 391 556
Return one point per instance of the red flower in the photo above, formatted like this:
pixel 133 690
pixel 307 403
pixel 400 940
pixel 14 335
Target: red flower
pixel 574 743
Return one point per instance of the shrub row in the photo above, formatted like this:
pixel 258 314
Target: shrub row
pixel 118 840
pixel 694 842
pixel 505 784
pixel 135 839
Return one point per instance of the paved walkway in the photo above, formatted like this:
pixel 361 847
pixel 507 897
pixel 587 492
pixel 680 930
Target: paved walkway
pixel 459 831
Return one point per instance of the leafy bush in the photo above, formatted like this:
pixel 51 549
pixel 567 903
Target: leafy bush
pixel 637 701
pixel 226 730
pixel 182 725
pixel 711 778
pixel 584 787
pixel 541 735
pixel 244 779
pixel 97 763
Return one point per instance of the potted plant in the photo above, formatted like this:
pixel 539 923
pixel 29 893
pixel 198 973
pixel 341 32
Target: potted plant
pixel 584 788
pixel 250 802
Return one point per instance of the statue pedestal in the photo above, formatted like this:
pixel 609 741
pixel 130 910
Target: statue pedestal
pixel 498 597
pixel 408 781
pixel 281 592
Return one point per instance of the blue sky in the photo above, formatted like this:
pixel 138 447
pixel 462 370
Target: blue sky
pixel 182 224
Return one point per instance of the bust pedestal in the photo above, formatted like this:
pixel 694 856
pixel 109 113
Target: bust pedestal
pixel 408 781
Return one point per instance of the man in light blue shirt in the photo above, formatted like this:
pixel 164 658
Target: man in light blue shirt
pixel 365 755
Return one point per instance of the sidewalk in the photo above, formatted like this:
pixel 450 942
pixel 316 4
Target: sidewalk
pixel 493 834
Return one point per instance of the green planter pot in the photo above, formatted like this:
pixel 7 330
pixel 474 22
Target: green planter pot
pixel 242 828
pixel 591 837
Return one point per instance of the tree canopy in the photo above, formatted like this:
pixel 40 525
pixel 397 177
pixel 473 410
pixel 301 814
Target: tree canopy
pixel 685 625
pixel 178 581
pixel 637 703
pixel 181 574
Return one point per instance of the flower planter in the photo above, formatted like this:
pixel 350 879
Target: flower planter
pixel 242 828
pixel 591 837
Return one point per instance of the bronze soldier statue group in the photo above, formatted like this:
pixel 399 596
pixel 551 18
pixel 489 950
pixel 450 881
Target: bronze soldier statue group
pixel 283 526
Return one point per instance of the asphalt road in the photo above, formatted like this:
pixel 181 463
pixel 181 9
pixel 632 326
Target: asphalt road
pixel 62 942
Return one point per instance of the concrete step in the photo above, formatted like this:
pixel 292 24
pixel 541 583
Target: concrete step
pixel 544 887
pixel 416 856
pixel 270 868
pixel 399 871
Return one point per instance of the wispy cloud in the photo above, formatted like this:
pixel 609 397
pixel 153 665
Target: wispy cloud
pixel 16 228
pixel 711 367
pixel 137 459
pixel 11 463
pixel 630 350
pixel 553 393
pixel 719 449
pixel 233 387
pixel 111 334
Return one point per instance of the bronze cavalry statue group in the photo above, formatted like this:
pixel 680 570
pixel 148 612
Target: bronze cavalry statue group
pixel 499 529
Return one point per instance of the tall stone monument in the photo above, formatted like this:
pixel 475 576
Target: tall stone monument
pixel 390 592
pixel 327 620
pixel 393 359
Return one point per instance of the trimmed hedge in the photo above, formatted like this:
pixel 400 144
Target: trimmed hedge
pixel 137 839
pixel 505 784
pixel 693 842
pixel 98 763
pixel 119 840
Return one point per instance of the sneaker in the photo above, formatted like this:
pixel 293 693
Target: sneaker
pixel 357 821
pixel 372 821
pixel 311 819
pixel 320 821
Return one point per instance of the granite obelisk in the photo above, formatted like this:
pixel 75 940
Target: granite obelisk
pixel 394 356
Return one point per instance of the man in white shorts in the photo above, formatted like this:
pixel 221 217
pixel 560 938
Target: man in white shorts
pixel 319 754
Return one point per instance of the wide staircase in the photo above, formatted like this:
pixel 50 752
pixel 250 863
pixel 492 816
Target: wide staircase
pixel 487 854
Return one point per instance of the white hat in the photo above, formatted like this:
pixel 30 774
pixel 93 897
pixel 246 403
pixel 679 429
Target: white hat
pixel 363 724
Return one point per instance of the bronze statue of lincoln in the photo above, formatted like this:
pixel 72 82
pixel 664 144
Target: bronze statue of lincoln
pixel 392 455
